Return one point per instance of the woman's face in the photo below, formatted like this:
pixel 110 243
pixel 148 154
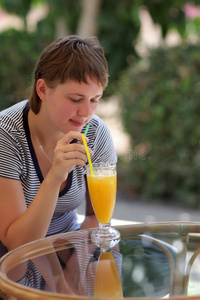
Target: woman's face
pixel 69 106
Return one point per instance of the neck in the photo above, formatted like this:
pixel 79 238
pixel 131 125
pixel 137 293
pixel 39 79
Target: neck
pixel 44 142
pixel 43 131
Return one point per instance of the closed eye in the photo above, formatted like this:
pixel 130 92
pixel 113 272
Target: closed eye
pixel 75 100
pixel 96 99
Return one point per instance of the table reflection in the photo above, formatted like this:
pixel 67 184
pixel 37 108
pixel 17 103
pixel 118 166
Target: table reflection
pixel 70 269
pixel 146 262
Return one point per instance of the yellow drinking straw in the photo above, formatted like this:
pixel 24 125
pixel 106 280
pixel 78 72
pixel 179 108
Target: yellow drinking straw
pixel 88 155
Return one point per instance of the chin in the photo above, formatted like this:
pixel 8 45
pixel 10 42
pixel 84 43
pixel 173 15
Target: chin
pixel 75 129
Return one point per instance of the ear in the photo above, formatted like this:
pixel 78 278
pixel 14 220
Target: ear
pixel 41 88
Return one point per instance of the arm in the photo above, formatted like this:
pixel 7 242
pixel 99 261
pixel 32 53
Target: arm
pixel 20 225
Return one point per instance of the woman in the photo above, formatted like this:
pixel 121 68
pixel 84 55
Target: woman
pixel 42 158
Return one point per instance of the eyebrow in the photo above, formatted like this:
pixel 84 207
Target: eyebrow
pixel 81 95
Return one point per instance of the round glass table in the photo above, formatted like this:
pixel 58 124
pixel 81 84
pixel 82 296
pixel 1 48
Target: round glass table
pixel 151 260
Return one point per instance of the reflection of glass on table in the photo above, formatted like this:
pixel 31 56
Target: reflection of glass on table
pixel 107 279
pixel 151 260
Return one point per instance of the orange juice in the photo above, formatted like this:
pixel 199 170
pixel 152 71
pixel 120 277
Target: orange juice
pixel 107 280
pixel 102 189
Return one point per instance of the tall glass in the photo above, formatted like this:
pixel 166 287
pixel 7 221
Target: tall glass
pixel 102 189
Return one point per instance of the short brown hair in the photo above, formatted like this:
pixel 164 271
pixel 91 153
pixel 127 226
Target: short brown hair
pixel 72 58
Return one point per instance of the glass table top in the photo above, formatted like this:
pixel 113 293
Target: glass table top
pixel 152 260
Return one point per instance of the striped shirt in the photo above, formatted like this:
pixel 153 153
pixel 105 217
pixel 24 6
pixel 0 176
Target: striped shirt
pixel 18 161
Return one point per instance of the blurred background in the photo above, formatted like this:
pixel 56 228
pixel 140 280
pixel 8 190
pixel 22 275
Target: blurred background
pixel 152 103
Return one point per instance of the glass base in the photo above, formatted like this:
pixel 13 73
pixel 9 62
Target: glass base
pixel 105 236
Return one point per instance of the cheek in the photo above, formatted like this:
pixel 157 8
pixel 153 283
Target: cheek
pixel 64 113
pixel 94 108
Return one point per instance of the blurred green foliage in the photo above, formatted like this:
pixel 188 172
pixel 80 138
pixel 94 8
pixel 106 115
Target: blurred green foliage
pixel 19 53
pixel 118 27
pixel 18 7
pixel 169 14
pixel 161 113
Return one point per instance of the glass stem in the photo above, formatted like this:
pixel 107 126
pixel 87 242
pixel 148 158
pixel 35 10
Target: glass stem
pixel 104 225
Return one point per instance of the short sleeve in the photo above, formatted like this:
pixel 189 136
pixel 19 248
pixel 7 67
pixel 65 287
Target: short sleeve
pixel 104 150
pixel 10 159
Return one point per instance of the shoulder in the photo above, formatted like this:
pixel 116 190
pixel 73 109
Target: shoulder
pixel 98 131
pixel 14 108
pixel 100 141
pixel 12 117
pixel 98 124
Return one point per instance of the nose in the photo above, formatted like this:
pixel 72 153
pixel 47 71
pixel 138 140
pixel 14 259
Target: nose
pixel 85 109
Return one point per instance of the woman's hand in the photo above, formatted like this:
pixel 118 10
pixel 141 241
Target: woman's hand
pixel 67 155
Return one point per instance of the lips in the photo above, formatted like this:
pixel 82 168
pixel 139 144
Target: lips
pixel 77 123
